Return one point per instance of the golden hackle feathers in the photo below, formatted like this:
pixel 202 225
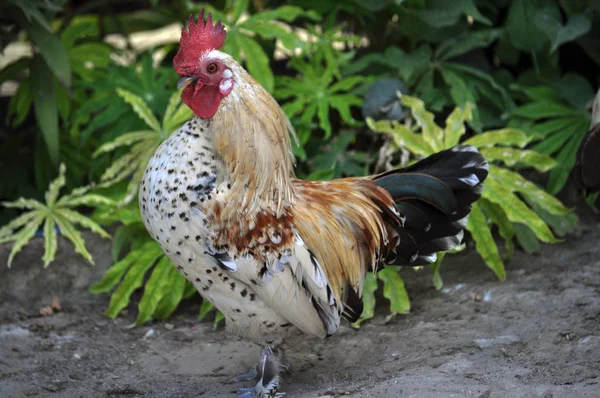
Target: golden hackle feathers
pixel 252 134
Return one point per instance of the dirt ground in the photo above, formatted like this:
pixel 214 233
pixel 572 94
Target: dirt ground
pixel 535 335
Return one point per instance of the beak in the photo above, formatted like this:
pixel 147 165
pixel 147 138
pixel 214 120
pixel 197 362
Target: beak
pixel 185 80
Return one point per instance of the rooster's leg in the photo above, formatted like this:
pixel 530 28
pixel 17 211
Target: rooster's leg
pixel 271 364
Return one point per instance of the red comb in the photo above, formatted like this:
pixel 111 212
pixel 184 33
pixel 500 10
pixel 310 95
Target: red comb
pixel 202 37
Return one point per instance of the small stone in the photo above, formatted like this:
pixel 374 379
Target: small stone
pixel 55 304
pixel 169 326
pixel 46 311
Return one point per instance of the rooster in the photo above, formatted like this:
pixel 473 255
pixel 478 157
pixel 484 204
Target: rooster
pixel 270 251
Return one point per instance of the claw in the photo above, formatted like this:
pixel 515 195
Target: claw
pixel 270 365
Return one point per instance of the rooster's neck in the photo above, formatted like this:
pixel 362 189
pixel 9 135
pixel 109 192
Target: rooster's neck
pixel 251 135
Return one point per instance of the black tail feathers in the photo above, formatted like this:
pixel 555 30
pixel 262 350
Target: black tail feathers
pixel 435 197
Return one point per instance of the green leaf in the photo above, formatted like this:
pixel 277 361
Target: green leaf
pixel 23 203
pixel 484 241
pixel 530 190
pixel 77 218
pixel 256 61
pixel 516 211
pixel 7 230
pixel 492 138
pixel 171 300
pixel 544 109
pixel 156 288
pixel 455 125
pixel 505 228
pixel 20 103
pixel 527 238
pixel 50 242
pixel 522 32
pixel 85 200
pixel 403 137
pixel 218 319
pixel 368 298
pixel 23 237
pixel 141 109
pixel 132 280
pixel 69 232
pixel 239 7
pixel 51 51
pixel 55 187
pixel 431 132
pixel 466 42
pixel 205 308
pixel 511 156
pixel 436 278
pixel 125 139
pixel 394 291
pixel 44 105
pixel 116 272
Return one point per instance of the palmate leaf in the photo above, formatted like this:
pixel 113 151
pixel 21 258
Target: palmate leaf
pixel 56 213
pixel 504 137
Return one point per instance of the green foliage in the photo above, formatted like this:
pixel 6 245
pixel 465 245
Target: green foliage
pixel 509 200
pixel 54 214
pixel 242 34
pixel 557 116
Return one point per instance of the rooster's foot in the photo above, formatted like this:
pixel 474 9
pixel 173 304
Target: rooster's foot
pixel 271 364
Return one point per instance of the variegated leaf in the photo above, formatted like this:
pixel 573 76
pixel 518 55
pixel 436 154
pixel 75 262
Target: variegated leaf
pixel 23 237
pixel 516 210
pixel 484 241
pixel 432 133
pixel 50 241
pixel 124 140
pixel 78 218
pixel 403 137
pixel 85 200
pixel 55 186
pixel 507 137
pixel 23 203
pixel 520 184
pixel 141 109
pixel 6 232
pixel 455 125
pixel 71 233
pixel 512 156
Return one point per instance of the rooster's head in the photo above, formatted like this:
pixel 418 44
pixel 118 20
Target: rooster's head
pixel 204 73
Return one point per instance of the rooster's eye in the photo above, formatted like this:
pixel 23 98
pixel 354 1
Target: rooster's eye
pixel 211 68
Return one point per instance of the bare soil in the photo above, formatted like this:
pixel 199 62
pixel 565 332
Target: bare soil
pixel 535 335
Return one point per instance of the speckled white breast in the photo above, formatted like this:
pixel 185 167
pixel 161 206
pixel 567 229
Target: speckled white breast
pixel 185 174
